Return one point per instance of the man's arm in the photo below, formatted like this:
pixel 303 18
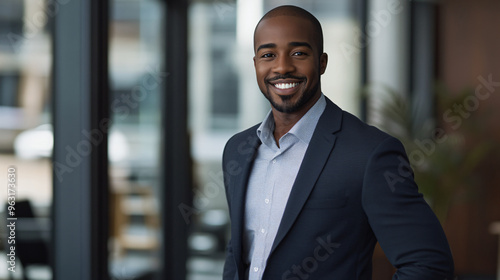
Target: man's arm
pixel 230 268
pixel 405 226
pixel 229 265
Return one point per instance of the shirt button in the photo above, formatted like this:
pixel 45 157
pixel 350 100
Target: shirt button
pixel 274 161
pixel 266 200
pixel 255 269
pixel 262 230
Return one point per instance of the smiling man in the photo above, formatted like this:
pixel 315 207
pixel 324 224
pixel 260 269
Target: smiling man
pixel 312 189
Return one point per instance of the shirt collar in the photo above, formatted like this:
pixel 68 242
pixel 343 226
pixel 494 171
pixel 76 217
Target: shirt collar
pixel 303 129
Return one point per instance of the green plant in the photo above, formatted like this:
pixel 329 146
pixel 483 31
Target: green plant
pixel 443 156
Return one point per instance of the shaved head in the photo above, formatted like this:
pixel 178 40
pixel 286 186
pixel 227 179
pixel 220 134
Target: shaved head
pixel 294 11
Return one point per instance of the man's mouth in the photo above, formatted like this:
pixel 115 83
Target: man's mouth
pixel 285 85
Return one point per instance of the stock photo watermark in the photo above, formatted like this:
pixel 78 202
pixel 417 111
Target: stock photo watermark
pixel 378 21
pixel 454 117
pixel 216 185
pixel 34 23
pixel 11 219
pixel 210 190
pixel 309 265
pixel 222 7
pixel 121 107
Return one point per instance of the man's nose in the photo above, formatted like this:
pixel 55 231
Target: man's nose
pixel 284 65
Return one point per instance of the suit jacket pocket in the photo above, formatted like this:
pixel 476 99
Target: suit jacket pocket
pixel 322 203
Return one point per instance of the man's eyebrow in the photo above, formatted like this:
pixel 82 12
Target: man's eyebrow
pixel 266 46
pixel 293 44
pixel 300 44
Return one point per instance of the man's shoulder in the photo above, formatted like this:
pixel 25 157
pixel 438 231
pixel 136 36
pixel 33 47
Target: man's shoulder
pixel 335 118
pixel 362 135
pixel 245 134
pixel 349 124
pixel 243 140
pixel 359 126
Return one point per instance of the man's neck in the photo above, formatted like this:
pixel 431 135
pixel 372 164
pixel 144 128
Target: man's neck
pixel 283 122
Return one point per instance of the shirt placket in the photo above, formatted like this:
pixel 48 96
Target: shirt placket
pixel 266 202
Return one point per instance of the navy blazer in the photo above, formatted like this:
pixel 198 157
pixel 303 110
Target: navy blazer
pixel 354 188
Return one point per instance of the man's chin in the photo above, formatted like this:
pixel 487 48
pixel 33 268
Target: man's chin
pixel 284 103
pixel 285 107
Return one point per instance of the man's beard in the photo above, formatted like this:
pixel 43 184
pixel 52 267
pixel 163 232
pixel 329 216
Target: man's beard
pixel 287 106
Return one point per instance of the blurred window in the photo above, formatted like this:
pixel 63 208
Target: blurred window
pixel 11 22
pixel 26 136
pixel 136 81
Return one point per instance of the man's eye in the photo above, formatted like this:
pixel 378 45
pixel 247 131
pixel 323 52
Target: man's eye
pixel 267 55
pixel 299 53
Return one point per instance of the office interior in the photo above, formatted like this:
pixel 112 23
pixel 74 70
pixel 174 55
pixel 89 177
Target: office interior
pixel 114 115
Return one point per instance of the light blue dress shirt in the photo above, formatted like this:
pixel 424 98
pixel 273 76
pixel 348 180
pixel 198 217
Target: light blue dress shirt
pixel 270 183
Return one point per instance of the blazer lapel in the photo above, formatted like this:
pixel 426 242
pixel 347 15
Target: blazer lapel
pixel 239 193
pixel 317 154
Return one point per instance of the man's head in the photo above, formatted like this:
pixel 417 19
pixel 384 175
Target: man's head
pixel 294 11
pixel 289 58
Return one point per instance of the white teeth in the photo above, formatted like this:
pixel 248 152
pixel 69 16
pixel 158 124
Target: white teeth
pixel 286 85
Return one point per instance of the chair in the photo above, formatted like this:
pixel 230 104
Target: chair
pixel 31 237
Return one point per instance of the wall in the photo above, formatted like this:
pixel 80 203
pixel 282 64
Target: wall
pixel 469 48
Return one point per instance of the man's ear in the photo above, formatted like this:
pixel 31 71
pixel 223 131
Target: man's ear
pixel 323 61
pixel 254 61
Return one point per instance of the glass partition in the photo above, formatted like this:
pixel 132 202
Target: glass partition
pixel 26 139
pixel 136 81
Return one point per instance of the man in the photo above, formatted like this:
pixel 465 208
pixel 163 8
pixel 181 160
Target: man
pixel 312 188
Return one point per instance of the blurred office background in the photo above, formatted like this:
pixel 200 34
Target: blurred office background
pixel 115 113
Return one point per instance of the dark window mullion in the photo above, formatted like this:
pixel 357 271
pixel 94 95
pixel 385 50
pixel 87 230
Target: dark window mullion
pixel 176 164
pixel 80 164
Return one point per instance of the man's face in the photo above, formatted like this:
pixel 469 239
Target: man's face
pixel 287 63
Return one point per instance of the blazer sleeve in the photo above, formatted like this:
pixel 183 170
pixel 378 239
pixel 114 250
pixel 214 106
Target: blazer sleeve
pixel 229 264
pixel 230 268
pixel 403 223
